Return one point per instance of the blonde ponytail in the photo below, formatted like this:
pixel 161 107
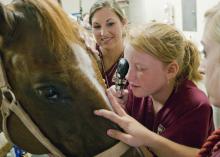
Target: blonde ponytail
pixel 191 62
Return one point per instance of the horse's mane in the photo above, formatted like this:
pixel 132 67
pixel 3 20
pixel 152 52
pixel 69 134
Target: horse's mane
pixel 58 29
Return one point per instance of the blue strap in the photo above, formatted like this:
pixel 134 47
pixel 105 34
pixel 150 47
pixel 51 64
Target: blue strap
pixel 18 151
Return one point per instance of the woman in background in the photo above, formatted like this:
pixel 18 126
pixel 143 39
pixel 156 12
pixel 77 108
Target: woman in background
pixel 108 24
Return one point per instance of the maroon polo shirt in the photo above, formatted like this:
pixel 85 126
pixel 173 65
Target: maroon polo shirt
pixel 110 73
pixel 185 118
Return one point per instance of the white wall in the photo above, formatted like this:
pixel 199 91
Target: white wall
pixel 73 6
pixel 87 4
pixel 142 11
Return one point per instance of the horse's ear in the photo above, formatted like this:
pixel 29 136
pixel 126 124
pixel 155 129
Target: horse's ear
pixel 7 21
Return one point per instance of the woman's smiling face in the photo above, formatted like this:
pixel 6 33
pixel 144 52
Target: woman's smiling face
pixel 107 28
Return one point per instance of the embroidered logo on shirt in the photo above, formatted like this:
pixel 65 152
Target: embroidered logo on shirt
pixel 160 129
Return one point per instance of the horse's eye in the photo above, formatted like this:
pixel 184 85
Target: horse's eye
pixel 49 93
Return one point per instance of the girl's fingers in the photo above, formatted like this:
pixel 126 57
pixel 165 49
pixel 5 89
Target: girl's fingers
pixel 119 135
pixel 116 106
pixel 112 116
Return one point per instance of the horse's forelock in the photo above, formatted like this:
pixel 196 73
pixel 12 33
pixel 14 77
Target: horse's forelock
pixel 58 29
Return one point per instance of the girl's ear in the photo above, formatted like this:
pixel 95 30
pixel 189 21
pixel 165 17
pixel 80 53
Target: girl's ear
pixel 172 70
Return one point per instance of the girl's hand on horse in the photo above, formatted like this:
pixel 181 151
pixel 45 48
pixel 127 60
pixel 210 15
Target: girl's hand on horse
pixel 117 96
pixel 135 134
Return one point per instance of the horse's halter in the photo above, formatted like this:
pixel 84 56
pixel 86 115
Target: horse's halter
pixel 10 104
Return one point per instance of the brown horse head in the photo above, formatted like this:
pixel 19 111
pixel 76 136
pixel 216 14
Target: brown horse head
pixel 54 78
